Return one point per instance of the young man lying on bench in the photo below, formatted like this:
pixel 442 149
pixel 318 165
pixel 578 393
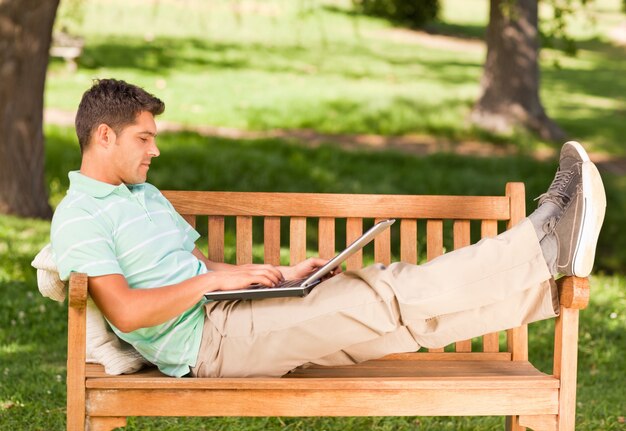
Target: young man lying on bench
pixel 149 280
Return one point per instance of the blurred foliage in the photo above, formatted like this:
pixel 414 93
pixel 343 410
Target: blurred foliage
pixel 412 13
pixel 553 27
pixel 70 17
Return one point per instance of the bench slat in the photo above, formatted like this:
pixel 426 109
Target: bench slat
pixel 448 356
pixel 461 239
pixel 271 240
pixel 408 241
pixel 326 237
pixel 517 338
pixel 491 342
pixel 377 374
pixel 97 370
pixel 339 205
pixel 297 240
pixel 216 238
pixel 335 401
pixel 244 240
pixel 435 370
pixel 392 380
pixel 434 248
pixel 434 239
pixel 382 246
pixel 354 229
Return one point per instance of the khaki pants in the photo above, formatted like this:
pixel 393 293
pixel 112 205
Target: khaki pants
pixel 497 284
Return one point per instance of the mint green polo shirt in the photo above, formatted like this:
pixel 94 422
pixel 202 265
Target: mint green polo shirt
pixel 101 229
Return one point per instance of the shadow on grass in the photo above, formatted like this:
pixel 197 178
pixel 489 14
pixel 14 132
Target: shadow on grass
pixel 465 31
pixel 581 115
pixel 168 55
pixel 395 116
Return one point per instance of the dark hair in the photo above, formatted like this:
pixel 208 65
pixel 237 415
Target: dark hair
pixel 114 103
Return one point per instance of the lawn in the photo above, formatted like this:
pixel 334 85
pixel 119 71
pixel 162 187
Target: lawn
pixel 258 66
pixel 284 64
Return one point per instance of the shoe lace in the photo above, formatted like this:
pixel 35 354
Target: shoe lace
pixel 556 192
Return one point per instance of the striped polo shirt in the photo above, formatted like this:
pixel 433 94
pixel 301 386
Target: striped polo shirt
pixel 101 229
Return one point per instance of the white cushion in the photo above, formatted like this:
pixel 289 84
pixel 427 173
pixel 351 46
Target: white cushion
pixel 103 346
pixel 48 280
pixel 106 348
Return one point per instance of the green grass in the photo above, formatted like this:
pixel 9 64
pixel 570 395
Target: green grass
pixel 33 329
pixel 281 64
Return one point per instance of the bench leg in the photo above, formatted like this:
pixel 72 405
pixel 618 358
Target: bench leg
pixel 565 365
pixel 539 422
pixel 512 424
pixel 95 423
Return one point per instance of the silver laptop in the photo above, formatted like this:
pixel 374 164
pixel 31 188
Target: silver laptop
pixel 303 286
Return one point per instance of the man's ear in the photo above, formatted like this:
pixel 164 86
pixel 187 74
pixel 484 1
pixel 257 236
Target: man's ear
pixel 104 136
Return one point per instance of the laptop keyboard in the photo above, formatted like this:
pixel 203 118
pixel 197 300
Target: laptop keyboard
pixel 291 283
pixel 285 283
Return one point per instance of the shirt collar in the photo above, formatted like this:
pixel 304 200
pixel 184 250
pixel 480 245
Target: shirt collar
pixel 95 188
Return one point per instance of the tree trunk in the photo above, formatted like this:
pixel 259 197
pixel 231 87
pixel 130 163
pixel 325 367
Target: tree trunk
pixel 25 36
pixel 510 82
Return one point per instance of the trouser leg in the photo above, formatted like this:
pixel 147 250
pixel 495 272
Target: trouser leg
pixel 523 307
pixel 497 284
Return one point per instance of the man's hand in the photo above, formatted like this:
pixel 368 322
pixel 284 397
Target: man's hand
pixel 242 276
pixel 306 268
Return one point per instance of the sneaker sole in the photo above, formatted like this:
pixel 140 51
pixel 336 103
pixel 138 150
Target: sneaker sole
pixel 594 207
pixel 580 150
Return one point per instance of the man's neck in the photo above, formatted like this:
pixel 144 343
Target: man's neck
pixel 97 170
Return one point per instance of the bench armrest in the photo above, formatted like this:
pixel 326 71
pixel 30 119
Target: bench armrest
pixel 573 292
pixel 77 290
pixel 76 350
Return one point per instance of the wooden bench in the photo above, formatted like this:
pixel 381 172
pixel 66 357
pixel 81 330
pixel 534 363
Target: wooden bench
pixel 477 379
pixel 67 47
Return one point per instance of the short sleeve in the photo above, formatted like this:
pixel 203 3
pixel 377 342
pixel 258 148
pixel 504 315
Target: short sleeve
pixel 82 243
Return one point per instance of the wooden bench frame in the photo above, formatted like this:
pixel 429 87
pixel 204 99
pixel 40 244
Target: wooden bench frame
pixel 463 382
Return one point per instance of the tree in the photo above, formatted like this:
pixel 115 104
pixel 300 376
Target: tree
pixel 510 82
pixel 25 37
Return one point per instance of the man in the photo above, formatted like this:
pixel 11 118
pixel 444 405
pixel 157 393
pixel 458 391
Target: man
pixel 149 280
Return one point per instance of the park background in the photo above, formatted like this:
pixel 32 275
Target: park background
pixel 311 96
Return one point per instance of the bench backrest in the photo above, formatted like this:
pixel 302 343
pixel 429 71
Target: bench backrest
pixel 329 212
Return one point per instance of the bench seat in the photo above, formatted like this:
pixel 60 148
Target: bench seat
pixel 399 385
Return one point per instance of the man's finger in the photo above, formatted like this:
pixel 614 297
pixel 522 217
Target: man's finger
pixel 264 280
pixel 273 270
pixel 273 277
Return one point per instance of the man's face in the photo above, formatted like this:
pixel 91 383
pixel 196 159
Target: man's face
pixel 134 148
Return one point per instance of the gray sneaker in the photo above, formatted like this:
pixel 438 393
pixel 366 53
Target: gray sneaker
pixel 571 213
